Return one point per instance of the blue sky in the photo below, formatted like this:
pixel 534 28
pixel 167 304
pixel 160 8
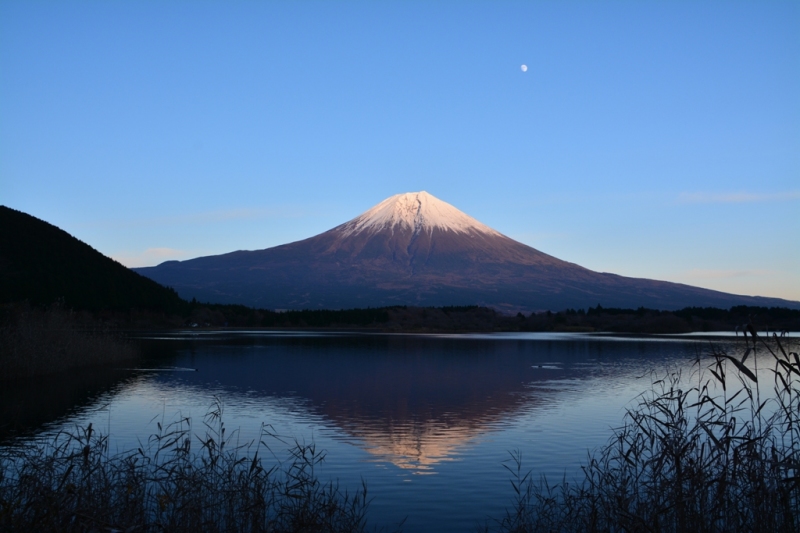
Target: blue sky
pixel 649 139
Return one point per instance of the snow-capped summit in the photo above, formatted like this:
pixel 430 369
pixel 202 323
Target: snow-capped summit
pixel 417 211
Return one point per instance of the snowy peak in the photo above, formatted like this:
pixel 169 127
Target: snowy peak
pixel 416 211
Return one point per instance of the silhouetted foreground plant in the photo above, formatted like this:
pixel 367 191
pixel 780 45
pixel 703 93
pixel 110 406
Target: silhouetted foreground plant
pixel 713 456
pixel 70 483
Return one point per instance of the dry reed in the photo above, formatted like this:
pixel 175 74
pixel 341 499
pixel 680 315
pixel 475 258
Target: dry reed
pixel 71 483
pixel 713 456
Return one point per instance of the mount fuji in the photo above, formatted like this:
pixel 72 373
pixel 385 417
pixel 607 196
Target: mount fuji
pixel 414 249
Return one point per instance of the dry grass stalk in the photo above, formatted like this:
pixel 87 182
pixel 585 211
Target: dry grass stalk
pixel 710 457
pixel 70 483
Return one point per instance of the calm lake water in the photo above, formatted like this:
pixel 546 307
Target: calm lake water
pixel 427 421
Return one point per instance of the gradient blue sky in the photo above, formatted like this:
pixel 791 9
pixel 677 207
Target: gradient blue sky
pixel 649 139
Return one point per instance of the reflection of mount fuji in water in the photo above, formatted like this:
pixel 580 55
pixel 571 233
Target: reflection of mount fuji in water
pixel 414 249
pixel 414 411
pixel 411 401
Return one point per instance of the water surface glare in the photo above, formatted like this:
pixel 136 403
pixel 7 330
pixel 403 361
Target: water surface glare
pixel 426 420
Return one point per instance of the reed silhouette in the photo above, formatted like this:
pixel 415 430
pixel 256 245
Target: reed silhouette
pixel 718 452
pixel 72 483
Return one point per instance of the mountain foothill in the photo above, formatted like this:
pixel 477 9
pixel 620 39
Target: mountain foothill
pixel 42 264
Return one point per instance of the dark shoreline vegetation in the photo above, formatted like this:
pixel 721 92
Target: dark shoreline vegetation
pixel 41 339
pixel 474 318
pixel 718 451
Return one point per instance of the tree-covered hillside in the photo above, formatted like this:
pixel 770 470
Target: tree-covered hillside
pixel 43 264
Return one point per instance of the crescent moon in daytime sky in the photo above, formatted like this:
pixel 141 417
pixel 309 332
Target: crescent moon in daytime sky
pixel 524 68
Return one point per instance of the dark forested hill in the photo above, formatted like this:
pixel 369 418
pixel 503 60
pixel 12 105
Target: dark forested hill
pixel 43 264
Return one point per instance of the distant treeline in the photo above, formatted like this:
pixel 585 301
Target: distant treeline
pixel 221 315
pixel 39 340
pixel 643 320
pixel 477 318
pixel 738 312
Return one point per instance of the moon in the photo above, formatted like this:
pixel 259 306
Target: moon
pixel 524 68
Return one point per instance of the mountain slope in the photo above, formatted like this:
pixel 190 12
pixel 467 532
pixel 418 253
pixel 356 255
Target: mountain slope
pixel 415 249
pixel 42 263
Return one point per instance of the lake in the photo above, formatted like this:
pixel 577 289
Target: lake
pixel 427 421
